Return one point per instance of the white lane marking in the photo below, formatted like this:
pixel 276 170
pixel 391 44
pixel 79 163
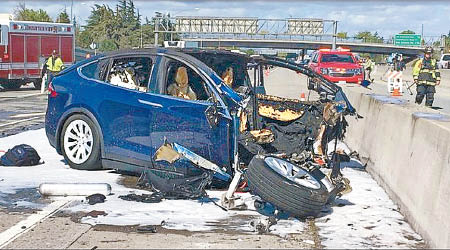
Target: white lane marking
pixel 29 95
pixel 21 96
pixel 19 121
pixel 30 222
pixel 28 115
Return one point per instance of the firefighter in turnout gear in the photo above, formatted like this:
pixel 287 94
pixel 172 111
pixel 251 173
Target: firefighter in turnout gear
pixel 426 76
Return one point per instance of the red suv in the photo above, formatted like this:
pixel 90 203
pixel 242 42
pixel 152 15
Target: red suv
pixel 337 66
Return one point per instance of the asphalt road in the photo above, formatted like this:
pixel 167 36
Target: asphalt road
pixel 21 110
pixel 442 96
pixel 64 230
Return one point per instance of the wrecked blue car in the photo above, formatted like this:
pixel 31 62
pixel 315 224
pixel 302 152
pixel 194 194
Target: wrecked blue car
pixel 167 114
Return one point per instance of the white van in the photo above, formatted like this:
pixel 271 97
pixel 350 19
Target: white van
pixel 444 62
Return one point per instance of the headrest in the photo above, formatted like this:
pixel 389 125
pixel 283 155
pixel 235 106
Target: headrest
pixel 227 76
pixel 181 76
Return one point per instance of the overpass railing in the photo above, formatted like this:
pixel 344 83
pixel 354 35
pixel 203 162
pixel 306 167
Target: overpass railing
pixel 304 29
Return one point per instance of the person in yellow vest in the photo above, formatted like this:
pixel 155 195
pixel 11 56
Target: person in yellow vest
pixel 369 66
pixel 426 76
pixel 53 66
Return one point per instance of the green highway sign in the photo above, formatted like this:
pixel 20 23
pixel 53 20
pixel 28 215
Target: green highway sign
pixel 407 40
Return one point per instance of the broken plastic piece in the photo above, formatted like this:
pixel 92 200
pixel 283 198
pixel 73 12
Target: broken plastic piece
pixel 200 161
pixel 173 152
pixel 166 153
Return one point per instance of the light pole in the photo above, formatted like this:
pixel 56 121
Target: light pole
pixel 71 7
pixel 156 29
pixel 333 46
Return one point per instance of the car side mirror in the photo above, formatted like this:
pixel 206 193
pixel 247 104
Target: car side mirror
pixel 212 115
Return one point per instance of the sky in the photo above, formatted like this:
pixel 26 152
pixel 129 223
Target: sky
pixel 383 16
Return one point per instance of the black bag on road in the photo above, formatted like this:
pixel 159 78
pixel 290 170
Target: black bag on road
pixel 20 155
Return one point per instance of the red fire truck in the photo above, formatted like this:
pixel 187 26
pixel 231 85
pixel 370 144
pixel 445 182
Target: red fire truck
pixel 25 47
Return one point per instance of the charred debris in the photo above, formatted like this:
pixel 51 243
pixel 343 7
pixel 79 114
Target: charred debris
pixel 294 143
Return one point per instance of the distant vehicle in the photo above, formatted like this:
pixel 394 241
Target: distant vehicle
pixel 444 62
pixel 174 44
pixel 25 46
pixel 338 66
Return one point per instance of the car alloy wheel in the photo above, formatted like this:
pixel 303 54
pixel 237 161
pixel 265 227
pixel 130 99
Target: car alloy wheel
pixel 292 172
pixel 78 141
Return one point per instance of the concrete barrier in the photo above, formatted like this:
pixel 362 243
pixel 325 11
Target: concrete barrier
pixel 409 156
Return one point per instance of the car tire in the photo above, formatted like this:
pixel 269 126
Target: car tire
pixel 80 143
pixel 37 84
pixel 299 197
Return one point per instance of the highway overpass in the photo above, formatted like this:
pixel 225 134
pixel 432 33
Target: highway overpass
pixel 375 48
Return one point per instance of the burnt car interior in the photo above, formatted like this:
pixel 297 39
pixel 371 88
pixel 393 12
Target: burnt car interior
pixel 130 72
pixel 195 82
pixel 220 61
pixel 295 131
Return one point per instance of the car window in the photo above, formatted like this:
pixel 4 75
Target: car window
pixel 95 70
pixel 337 58
pixel 291 79
pixel 183 82
pixel 131 72
pixel 446 58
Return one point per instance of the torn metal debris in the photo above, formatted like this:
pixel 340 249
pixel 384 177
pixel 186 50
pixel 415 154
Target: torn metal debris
pixel 278 145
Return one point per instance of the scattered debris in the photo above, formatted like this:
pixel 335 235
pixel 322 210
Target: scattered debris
pixel 262 226
pixel 146 229
pixel 145 198
pixel 95 198
pixel 21 155
pixel 96 213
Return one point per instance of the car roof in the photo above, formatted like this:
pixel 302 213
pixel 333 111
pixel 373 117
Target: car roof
pixel 155 51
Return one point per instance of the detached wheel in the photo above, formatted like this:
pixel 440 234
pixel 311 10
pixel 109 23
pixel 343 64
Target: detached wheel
pixel 287 186
pixel 80 143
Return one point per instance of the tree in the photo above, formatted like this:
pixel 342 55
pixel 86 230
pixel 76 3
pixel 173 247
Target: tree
pixel 21 13
pixel 108 45
pixel 407 32
pixel 342 35
pixel 63 17
pixel 84 39
pixel 116 28
pixel 368 37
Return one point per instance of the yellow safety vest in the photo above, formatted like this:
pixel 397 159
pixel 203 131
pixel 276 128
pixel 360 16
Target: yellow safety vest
pixel 54 65
pixel 426 72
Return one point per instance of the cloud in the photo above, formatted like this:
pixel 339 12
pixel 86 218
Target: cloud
pixel 386 17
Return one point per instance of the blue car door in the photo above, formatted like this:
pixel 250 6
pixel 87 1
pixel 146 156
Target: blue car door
pixel 125 121
pixel 184 121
